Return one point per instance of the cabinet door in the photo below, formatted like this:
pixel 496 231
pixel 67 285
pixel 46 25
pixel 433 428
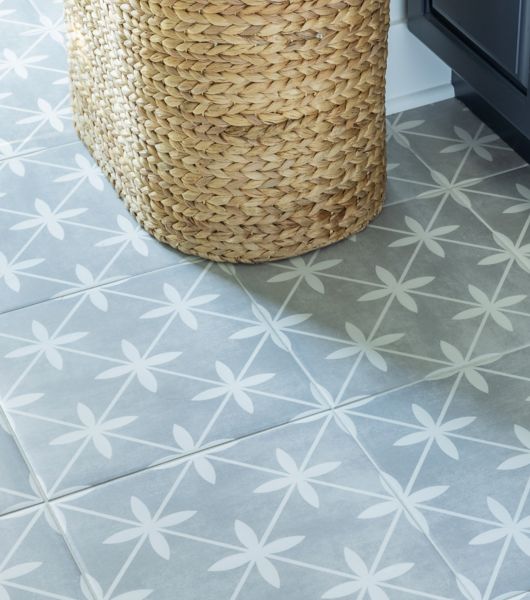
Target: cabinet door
pixel 497 27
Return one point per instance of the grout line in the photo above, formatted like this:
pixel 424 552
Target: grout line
pixel 106 284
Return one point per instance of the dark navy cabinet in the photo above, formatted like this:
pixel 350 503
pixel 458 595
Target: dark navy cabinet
pixel 487 45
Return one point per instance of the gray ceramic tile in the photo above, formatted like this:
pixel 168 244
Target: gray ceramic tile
pixel 34 98
pixel 459 450
pixel 17 489
pixel 64 228
pixel 278 515
pixel 151 355
pixel 34 560
pixel 428 121
pixel 216 376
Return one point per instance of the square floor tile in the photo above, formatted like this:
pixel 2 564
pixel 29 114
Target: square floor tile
pixel 277 515
pixel 34 560
pixel 17 489
pixel 65 229
pixel 99 410
pixel 457 452
pixel 34 101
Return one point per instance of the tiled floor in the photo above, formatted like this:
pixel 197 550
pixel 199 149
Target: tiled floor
pixel 353 424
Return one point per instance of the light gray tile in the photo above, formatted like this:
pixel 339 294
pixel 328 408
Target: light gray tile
pixel 253 342
pixel 215 376
pixel 260 530
pixel 34 96
pixel 459 454
pixel 64 229
pixel 34 560
pixel 17 489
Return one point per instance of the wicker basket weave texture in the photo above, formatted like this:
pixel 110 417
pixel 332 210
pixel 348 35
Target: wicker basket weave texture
pixel 236 130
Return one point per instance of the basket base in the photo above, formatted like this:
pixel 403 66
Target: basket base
pixel 241 248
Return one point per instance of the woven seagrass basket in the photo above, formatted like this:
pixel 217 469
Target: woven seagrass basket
pixel 236 130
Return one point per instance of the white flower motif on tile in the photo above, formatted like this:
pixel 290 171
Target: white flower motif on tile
pixel 46 217
pixel 12 160
pixel 130 233
pixel 182 307
pixel 49 346
pixel 369 348
pixel 519 461
pixel 508 528
pixel 428 237
pixel 461 365
pixel 90 588
pixel 62 81
pixel 85 170
pixel 468 142
pixel 139 365
pixel 14 402
pixel 47 27
pixel 18 64
pixel 151 527
pixel 273 327
pixel 203 467
pixel 493 308
pixel 471 592
pixel 10 272
pixel 400 498
pixel 365 579
pixel 298 477
pixel 90 286
pixel 236 388
pixel 93 430
pixel 48 114
pixel 400 289
pixel 256 553
pixel 309 272
pixel 398 131
pixel 10 573
pixel 522 206
pixel 509 251
pixel 432 431
pixel 456 191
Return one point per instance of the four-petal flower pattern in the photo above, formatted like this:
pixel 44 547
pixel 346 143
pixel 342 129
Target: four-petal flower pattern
pixel 478 145
pixel 430 237
pixel 492 308
pixel 257 553
pixel 154 528
pixel 94 430
pixel 401 500
pixel 50 346
pixel 366 580
pixel 311 273
pixel 139 366
pixel 183 307
pixel 51 220
pixel 270 326
pixel 515 528
pixel 437 432
pixel 469 367
pixel 300 478
pixel 234 387
pixel 401 290
pixel 363 346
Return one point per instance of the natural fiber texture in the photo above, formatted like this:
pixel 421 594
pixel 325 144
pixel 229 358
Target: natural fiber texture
pixel 236 130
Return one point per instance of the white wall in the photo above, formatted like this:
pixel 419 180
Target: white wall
pixel 415 75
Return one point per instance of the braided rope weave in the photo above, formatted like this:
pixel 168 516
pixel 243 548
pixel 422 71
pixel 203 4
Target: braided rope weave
pixel 236 130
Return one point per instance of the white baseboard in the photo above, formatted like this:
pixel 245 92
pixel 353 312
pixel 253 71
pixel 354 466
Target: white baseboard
pixel 420 98
pixel 415 75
